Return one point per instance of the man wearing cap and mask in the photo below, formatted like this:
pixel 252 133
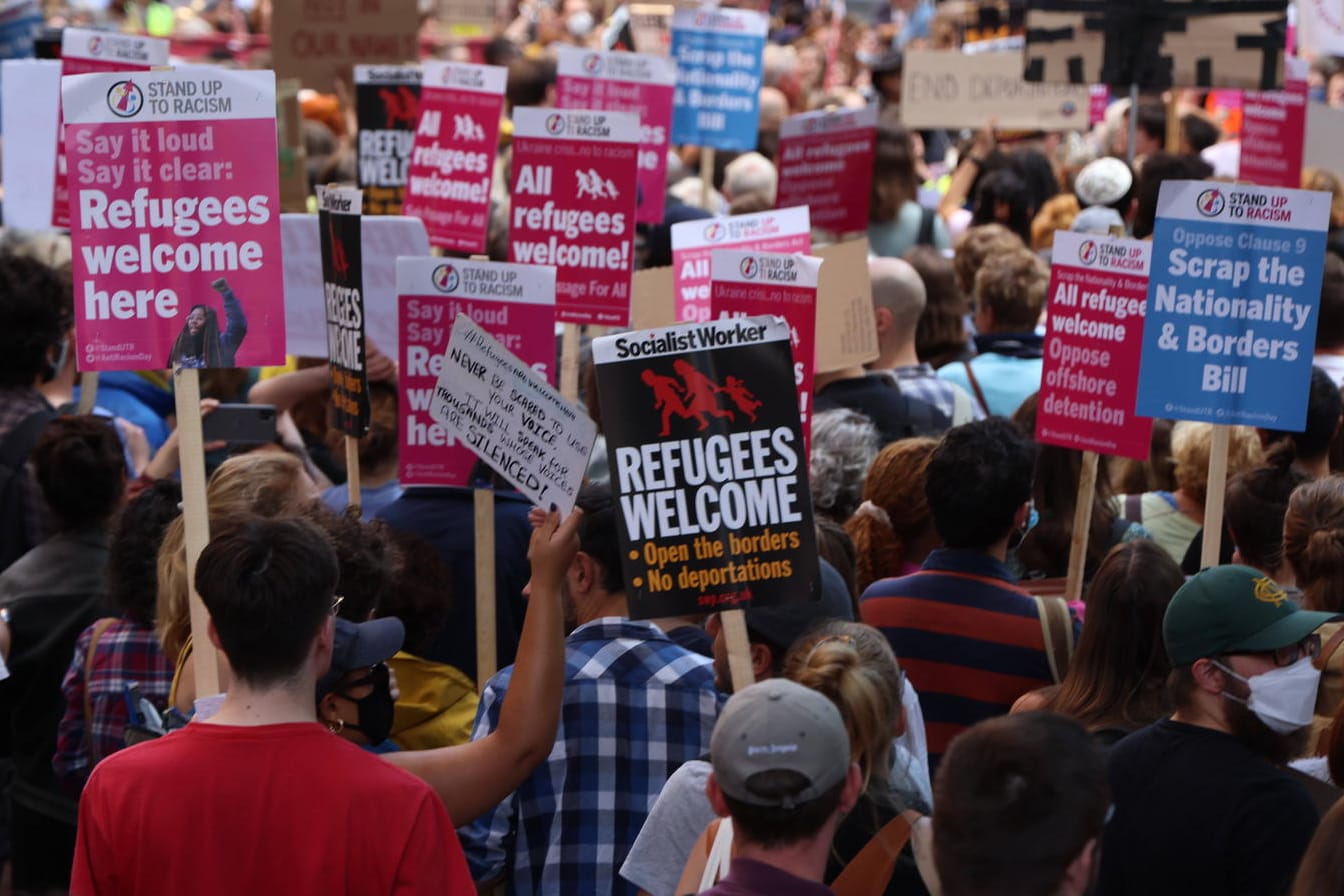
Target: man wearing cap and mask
pixel 782 773
pixel 1202 804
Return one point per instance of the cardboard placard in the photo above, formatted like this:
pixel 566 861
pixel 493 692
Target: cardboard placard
pixel 713 509
pixel 651 28
pixel 1157 44
pixel 1232 304
pixel 719 55
pixel 1325 135
pixel 343 288
pixel 512 418
pixel 626 82
pixel 30 101
pixel 573 206
pixel 513 303
pixel 448 179
pixel 785 230
pixel 387 103
pixel 293 154
pixel 175 224
pixel 320 41
pixel 945 88
pixel 82 52
pixel 1093 339
pixel 826 164
pixel 382 239
pixel 751 284
pixel 468 18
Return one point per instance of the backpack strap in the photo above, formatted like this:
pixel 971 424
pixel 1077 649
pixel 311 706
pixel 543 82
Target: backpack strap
pixel 975 387
pixel 925 237
pixel 1057 629
pixel 99 628
pixel 871 868
pixel 720 854
pixel 1328 649
pixel 1134 508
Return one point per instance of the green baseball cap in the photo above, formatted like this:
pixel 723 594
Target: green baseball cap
pixel 1233 609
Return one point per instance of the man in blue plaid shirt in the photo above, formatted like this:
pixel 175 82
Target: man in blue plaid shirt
pixel 636 706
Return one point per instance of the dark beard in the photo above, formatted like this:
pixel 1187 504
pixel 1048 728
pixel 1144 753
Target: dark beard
pixel 1246 727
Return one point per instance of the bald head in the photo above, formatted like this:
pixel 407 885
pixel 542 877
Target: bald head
pixel 898 299
pixel 774 108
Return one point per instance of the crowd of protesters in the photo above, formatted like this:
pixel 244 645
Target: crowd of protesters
pixel 927 726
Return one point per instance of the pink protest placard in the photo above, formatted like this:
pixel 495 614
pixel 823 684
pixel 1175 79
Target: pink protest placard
pixel 574 181
pixel 83 52
pixel 786 230
pixel 1273 131
pixel 514 303
pixel 826 164
pixel 453 154
pixel 1093 340
pixel 626 82
pixel 749 284
pixel 175 219
pixel 1098 98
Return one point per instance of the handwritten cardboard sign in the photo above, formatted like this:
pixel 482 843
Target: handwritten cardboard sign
pixel 513 419
pixel 320 41
pixel 945 88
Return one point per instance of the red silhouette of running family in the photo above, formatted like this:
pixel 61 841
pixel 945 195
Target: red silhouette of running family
pixel 695 396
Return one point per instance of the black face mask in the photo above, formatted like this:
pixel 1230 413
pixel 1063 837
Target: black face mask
pixel 375 708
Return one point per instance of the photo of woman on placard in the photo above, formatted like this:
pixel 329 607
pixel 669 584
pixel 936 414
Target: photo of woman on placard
pixel 201 344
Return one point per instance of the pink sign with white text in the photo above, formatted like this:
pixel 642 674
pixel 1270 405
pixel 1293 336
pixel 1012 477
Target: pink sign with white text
pixel 573 206
pixel 453 154
pixel 626 82
pixel 750 284
pixel 826 164
pixel 175 219
pixel 693 242
pixel 83 52
pixel 1274 130
pixel 1093 340
pixel 513 303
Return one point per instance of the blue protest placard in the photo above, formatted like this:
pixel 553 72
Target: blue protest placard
pixel 20 23
pixel 718 53
pixel 1232 304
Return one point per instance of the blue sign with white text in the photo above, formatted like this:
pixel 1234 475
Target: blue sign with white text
pixel 20 23
pixel 1233 299
pixel 718 53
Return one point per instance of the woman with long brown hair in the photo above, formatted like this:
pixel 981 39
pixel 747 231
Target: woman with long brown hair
pixel 893 529
pixel 1116 682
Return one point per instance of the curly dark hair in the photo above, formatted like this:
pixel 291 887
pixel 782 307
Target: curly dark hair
pixel 368 555
pixel 422 594
pixel 979 475
pixel 132 561
pixel 80 466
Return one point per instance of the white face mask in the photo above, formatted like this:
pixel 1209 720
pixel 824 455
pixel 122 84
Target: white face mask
pixel 1285 698
pixel 580 24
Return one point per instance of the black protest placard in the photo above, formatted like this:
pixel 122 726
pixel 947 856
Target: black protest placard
pixel 387 103
pixel 708 467
pixel 343 290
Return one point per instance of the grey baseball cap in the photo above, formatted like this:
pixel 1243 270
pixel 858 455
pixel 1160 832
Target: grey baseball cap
pixel 779 725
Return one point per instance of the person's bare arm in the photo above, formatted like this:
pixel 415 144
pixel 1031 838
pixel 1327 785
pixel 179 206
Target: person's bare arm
pixel 288 389
pixel 968 169
pixel 473 778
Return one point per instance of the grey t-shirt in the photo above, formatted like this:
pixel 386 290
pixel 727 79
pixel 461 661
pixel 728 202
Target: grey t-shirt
pixel 679 816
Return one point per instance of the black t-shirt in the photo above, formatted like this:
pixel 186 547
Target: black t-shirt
pixel 895 414
pixel 1197 812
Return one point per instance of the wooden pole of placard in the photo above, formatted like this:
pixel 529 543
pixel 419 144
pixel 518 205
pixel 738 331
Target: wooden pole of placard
pixel 352 472
pixel 1213 503
pixel 1133 123
pixel 734 624
pixel 1173 122
pixel 484 524
pixel 570 340
pixel 196 517
pixel 88 392
pixel 707 178
pixel 1082 524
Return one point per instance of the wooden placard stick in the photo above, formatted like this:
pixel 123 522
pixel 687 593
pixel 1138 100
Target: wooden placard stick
pixel 1082 524
pixel 1173 122
pixel 739 649
pixel 1213 504
pixel 486 659
pixel 352 472
pixel 570 340
pixel 706 178
pixel 196 517
pixel 88 392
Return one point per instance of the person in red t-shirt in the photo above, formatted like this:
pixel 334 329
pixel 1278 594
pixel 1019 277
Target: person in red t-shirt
pixel 260 798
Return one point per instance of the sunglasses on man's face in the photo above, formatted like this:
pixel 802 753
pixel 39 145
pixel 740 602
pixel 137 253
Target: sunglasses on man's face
pixel 1310 646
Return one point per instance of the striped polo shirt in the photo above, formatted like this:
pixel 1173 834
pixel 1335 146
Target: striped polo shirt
pixel 969 639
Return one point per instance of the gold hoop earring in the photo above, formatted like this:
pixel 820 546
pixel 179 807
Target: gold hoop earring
pixel 337 726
